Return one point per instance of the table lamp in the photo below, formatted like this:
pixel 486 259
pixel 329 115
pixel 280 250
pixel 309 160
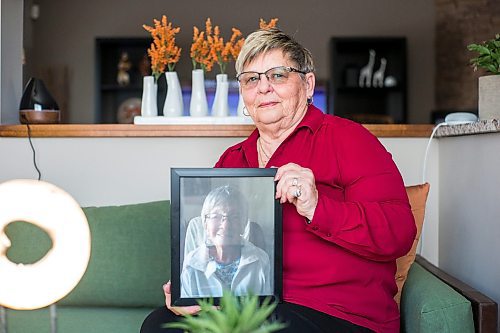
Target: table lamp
pixel 37 285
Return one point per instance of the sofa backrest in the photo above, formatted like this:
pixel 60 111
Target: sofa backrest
pixel 130 258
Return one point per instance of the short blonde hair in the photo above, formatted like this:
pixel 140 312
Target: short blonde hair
pixel 265 40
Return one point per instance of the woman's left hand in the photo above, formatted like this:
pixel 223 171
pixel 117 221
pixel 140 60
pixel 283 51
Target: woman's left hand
pixel 297 186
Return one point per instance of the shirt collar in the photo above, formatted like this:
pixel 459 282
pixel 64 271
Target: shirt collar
pixel 312 120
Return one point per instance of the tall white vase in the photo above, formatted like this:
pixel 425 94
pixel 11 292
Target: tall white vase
pixel 173 106
pixel 149 107
pixel 220 108
pixel 198 106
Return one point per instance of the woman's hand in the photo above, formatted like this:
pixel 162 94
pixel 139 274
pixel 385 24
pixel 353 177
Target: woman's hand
pixel 297 186
pixel 178 310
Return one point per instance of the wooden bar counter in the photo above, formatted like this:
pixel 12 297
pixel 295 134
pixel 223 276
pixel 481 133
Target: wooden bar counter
pixel 120 130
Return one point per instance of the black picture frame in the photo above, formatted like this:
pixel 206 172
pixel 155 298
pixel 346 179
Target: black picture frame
pixel 189 188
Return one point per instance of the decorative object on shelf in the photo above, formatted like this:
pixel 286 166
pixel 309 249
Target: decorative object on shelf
pixel 163 52
pixel 164 55
pixel 37 105
pixel 198 105
pixel 173 106
pixel 223 53
pixel 489 85
pixel 220 107
pixel 390 81
pixel 378 76
pixel 268 25
pixel 365 75
pixel 124 65
pixel 149 107
pixel 200 56
pixel 128 109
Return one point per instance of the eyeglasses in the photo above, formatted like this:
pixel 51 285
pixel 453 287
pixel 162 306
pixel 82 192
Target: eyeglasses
pixel 218 217
pixel 275 76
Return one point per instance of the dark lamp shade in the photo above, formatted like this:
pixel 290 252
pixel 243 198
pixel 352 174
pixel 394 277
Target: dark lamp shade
pixel 37 104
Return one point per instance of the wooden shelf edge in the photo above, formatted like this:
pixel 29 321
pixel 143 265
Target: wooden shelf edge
pixel 121 130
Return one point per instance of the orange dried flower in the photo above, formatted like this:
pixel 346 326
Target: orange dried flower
pixel 272 24
pixel 200 48
pixel 164 53
pixel 221 52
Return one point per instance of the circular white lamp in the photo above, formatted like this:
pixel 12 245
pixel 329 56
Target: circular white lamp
pixel 33 286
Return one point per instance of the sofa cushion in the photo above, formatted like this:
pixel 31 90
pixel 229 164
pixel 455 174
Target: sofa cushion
pixel 417 195
pixel 78 320
pixel 428 305
pixel 130 258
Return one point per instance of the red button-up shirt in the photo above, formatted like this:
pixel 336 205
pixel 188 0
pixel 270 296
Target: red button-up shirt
pixel 343 262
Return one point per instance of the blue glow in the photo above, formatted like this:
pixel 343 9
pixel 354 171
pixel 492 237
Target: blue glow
pixel 233 96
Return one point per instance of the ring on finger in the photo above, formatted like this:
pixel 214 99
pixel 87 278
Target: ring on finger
pixel 295 181
pixel 298 192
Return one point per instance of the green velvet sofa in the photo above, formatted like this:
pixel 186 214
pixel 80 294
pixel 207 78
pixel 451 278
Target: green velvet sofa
pixel 130 262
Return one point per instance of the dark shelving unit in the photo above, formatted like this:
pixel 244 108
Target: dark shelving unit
pixel 109 94
pixel 386 104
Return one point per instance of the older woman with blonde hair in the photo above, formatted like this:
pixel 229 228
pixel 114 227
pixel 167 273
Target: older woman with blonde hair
pixel 346 216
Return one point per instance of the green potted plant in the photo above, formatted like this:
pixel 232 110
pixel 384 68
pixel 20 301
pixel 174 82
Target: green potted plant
pixel 235 315
pixel 488 59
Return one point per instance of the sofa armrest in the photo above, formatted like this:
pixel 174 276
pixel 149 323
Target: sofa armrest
pixel 484 309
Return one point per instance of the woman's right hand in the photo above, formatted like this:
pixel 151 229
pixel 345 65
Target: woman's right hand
pixel 178 310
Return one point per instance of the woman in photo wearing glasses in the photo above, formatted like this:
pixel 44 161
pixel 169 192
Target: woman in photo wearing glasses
pixel 346 216
pixel 225 261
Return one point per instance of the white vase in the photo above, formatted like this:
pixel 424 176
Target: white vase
pixel 489 97
pixel 220 108
pixel 149 107
pixel 173 106
pixel 240 109
pixel 198 106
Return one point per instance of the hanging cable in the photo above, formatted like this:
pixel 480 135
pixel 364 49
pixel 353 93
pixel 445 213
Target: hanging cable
pixel 424 168
pixel 33 149
pixel 424 171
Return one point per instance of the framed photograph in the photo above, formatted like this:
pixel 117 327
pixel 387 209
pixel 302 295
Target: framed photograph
pixel 226 234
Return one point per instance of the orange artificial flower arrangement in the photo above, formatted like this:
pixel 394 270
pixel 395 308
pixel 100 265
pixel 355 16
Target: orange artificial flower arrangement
pixel 200 50
pixel 163 51
pixel 264 25
pixel 210 47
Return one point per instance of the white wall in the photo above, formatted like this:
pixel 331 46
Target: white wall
pixel 469 215
pixel 109 171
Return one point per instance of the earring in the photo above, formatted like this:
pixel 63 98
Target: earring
pixel 309 100
pixel 246 113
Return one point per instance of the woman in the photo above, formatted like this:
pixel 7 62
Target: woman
pixel 225 260
pixel 346 216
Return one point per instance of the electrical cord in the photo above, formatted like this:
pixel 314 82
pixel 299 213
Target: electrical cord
pixel 424 171
pixel 32 147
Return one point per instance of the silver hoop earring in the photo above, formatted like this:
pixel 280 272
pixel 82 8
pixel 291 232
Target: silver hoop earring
pixel 310 100
pixel 246 113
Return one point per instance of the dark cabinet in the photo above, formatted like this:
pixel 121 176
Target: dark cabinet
pixel 118 94
pixel 368 79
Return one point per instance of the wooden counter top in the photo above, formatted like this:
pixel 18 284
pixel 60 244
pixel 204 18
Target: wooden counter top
pixel 120 130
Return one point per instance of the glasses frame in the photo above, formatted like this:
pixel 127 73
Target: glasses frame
pixel 289 69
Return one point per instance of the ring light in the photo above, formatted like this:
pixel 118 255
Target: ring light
pixel 33 286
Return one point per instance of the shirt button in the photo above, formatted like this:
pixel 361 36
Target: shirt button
pixel 315 228
pixel 329 235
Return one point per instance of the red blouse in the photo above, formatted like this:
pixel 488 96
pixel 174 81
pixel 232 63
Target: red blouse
pixel 343 263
